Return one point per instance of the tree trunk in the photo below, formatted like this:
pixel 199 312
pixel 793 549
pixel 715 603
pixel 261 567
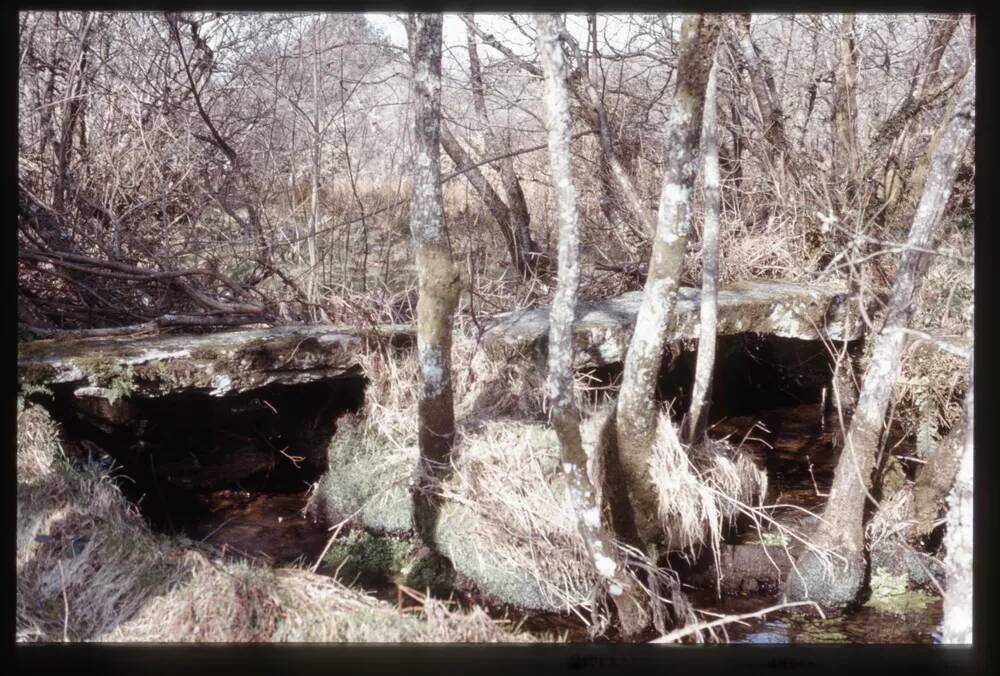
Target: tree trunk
pixel 563 410
pixel 317 149
pixel 697 418
pixel 957 625
pixel 438 280
pixel 934 481
pixel 845 110
pixel 637 409
pixel 525 255
pixel 764 91
pixel 488 194
pixel 842 530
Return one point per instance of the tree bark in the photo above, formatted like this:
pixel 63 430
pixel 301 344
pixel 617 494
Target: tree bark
pixel 845 110
pixel 637 409
pixel 934 481
pixel 842 530
pixel 564 413
pixel 438 280
pixel 958 600
pixel 525 255
pixel 764 92
pixel 697 417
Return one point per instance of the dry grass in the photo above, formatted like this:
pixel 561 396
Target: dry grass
pixel 508 523
pixel 689 488
pixel 85 558
pixel 240 602
pixel 88 568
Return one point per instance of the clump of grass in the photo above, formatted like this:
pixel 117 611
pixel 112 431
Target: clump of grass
pixel 89 568
pixel 248 603
pixel 508 522
pixel 698 492
pixel 85 558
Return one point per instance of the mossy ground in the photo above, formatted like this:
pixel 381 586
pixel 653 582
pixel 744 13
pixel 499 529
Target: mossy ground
pixel 805 629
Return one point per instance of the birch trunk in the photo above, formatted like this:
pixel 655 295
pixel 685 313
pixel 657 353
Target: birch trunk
pixel 697 418
pixel 957 625
pixel 563 410
pixel 842 528
pixel 438 280
pixel 637 409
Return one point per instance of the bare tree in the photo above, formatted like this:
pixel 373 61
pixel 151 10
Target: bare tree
pixel 637 409
pixel 525 255
pixel 765 94
pixel 439 282
pixel 842 529
pixel 563 409
pixel 845 112
pixel 697 417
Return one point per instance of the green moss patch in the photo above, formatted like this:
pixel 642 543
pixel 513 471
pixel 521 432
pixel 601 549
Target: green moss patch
pixel 817 630
pixel 891 595
pixel 363 558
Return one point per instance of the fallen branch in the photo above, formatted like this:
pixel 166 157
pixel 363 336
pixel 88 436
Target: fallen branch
pixel 678 634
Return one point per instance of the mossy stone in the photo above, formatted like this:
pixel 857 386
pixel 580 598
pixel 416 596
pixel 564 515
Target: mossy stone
pixel 367 559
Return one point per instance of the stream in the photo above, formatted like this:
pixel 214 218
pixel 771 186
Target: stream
pixel 266 523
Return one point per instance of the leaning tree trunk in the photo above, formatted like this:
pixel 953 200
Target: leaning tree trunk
pixel 637 410
pixel 957 625
pixel 525 255
pixel 764 92
pixel 563 410
pixel 491 199
pixel 438 280
pixel 697 417
pixel 837 581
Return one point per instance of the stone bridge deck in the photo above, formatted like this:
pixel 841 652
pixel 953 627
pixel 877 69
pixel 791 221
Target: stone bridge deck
pixel 237 361
pixel 603 329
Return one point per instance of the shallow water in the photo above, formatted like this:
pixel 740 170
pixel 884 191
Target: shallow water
pixel 797 450
pixel 268 527
pixel 864 625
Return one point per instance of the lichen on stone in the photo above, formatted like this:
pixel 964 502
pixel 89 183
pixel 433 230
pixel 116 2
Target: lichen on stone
pixel 889 594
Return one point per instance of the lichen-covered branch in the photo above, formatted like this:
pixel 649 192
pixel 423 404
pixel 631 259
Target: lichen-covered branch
pixel 697 418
